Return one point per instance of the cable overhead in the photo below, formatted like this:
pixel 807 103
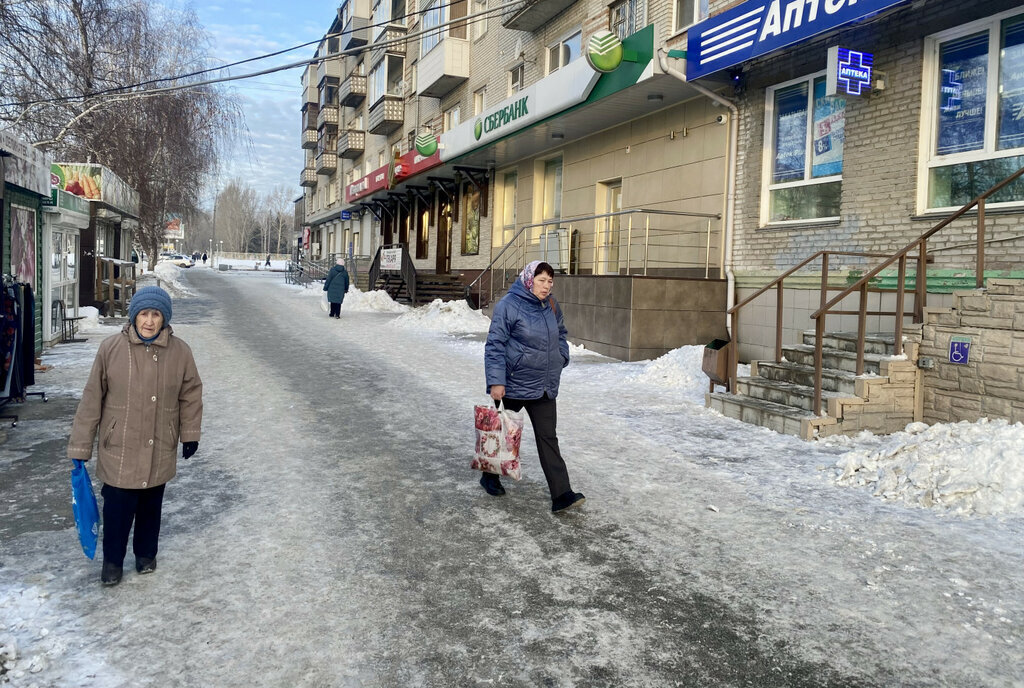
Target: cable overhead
pixel 467 20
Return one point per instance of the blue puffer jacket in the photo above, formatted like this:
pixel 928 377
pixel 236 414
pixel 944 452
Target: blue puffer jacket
pixel 336 284
pixel 526 346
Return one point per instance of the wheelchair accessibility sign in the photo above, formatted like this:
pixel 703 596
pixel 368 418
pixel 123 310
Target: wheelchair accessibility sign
pixel 960 350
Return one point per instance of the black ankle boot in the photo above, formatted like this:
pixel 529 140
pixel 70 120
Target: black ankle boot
pixel 111 574
pixel 492 484
pixel 145 564
pixel 567 500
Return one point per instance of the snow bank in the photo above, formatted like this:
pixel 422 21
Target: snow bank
pixel 168 276
pixel 371 301
pixel 971 469
pixel 453 317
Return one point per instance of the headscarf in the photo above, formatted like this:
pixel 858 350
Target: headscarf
pixel 340 261
pixel 526 276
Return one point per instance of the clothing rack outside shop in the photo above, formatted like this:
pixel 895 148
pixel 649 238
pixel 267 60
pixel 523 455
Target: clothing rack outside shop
pixel 17 345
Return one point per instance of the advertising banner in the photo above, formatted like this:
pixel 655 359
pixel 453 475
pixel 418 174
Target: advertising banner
pixel 95 183
pixel 174 228
pixel 26 167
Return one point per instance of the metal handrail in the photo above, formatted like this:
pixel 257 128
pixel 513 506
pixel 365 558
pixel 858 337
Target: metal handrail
pixel 501 255
pixel 861 286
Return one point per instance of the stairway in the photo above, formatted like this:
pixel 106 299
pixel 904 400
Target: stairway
pixel 780 395
pixel 430 286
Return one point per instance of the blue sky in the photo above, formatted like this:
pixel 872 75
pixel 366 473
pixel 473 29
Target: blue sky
pixel 247 28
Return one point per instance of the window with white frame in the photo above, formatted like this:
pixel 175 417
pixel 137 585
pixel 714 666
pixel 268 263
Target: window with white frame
pixel 564 52
pixel 975 112
pixel 435 14
pixel 479 23
pixel 387 12
pixel 478 101
pixel 516 79
pixel 626 17
pixel 689 12
pixel 377 82
pixel 804 136
pixel 451 118
pixel 345 13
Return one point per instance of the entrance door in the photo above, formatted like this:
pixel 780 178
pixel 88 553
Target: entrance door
pixel 608 256
pixel 444 237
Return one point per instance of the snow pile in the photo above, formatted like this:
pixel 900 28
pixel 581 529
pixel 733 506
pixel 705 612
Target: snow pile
pixel 371 301
pixel 453 317
pixel 91 315
pixel 165 275
pixel 971 469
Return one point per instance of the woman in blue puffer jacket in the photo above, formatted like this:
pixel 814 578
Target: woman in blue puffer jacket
pixel 523 360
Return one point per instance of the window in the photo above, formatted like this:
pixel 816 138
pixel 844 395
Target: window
pixel 508 207
pixel 451 118
pixel 516 77
pixel 626 17
pixel 976 132
pixel 435 15
pixel 328 91
pixel 377 82
pixel 478 101
pixel 471 220
pixel 552 209
pixel 345 13
pixel 387 12
pixel 563 52
pixel 479 23
pixel 690 12
pixel 805 132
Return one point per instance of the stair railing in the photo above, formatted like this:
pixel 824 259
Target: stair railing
pixel 861 287
pixel 624 240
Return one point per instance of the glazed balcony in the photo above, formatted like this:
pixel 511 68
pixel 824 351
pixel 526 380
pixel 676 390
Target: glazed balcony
pixel 387 115
pixel 327 161
pixel 356 33
pixel 444 67
pixel 352 91
pixel 307 177
pixel 309 116
pixel 531 15
pixel 328 117
pixel 351 143
pixel 393 43
pixel 309 138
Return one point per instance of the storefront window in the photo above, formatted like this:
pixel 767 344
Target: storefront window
pixel 806 160
pixel 553 189
pixel 978 130
pixel 72 255
pixel 508 207
pixel 471 221
pixel 56 257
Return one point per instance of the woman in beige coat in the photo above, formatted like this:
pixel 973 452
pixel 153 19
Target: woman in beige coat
pixel 143 396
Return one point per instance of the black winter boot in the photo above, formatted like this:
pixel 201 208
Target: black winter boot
pixel 111 574
pixel 145 564
pixel 492 484
pixel 567 500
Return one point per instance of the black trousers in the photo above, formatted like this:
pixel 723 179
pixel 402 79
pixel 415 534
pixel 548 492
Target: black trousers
pixel 543 414
pixel 335 310
pixel 122 506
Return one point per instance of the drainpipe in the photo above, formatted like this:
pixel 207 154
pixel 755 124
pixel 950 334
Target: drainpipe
pixel 730 175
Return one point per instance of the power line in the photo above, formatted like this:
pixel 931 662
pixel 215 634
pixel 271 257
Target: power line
pixel 121 90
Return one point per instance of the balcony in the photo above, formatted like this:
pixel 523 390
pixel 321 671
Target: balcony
pixel 309 116
pixel 386 115
pixel 444 67
pixel 328 117
pixel 352 91
pixel 351 143
pixel 307 177
pixel 309 138
pixel 394 36
pixel 327 161
pixel 531 15
pixel 356 33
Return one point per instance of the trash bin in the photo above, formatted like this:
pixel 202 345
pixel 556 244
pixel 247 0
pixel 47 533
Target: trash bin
pixel 716 362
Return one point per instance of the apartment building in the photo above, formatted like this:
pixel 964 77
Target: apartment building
pixel 473 130
pixel 926 115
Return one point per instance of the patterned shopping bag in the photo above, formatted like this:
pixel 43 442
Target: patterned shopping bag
pixel 498 435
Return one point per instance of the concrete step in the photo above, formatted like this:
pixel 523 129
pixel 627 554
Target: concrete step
pixel 786 393
pixel 842 381
pixel 767 414
pixel 833 358
pixel 874 342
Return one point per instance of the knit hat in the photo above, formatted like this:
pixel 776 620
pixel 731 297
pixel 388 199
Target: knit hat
pixel 527 274
pixel 150 297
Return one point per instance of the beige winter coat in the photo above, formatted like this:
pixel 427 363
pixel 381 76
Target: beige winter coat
pixel 144 399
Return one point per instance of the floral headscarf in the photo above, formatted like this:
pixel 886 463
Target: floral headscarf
pixel 526 276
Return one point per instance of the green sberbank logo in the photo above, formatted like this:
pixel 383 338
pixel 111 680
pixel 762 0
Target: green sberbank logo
pixel 426 145
pixel 506 115
pixel 604 51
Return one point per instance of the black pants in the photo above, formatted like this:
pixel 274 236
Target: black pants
pixel 544 417
pixel 122 506
pixel 335 310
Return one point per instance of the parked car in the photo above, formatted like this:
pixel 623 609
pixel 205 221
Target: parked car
pixel 177 259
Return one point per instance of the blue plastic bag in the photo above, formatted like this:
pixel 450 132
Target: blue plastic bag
pixel 83 503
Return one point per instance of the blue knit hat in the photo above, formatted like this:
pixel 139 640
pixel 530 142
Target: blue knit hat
pixel 150 297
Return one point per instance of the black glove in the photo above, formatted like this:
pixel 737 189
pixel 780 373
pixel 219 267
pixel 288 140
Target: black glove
pixel 188 449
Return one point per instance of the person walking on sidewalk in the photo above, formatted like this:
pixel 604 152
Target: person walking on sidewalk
pixel 143 395
pixel 524 355
pixel 336 286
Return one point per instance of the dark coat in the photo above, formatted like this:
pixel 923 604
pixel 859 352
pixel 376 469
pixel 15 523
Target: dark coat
pixel 336 284
pixel 526 346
